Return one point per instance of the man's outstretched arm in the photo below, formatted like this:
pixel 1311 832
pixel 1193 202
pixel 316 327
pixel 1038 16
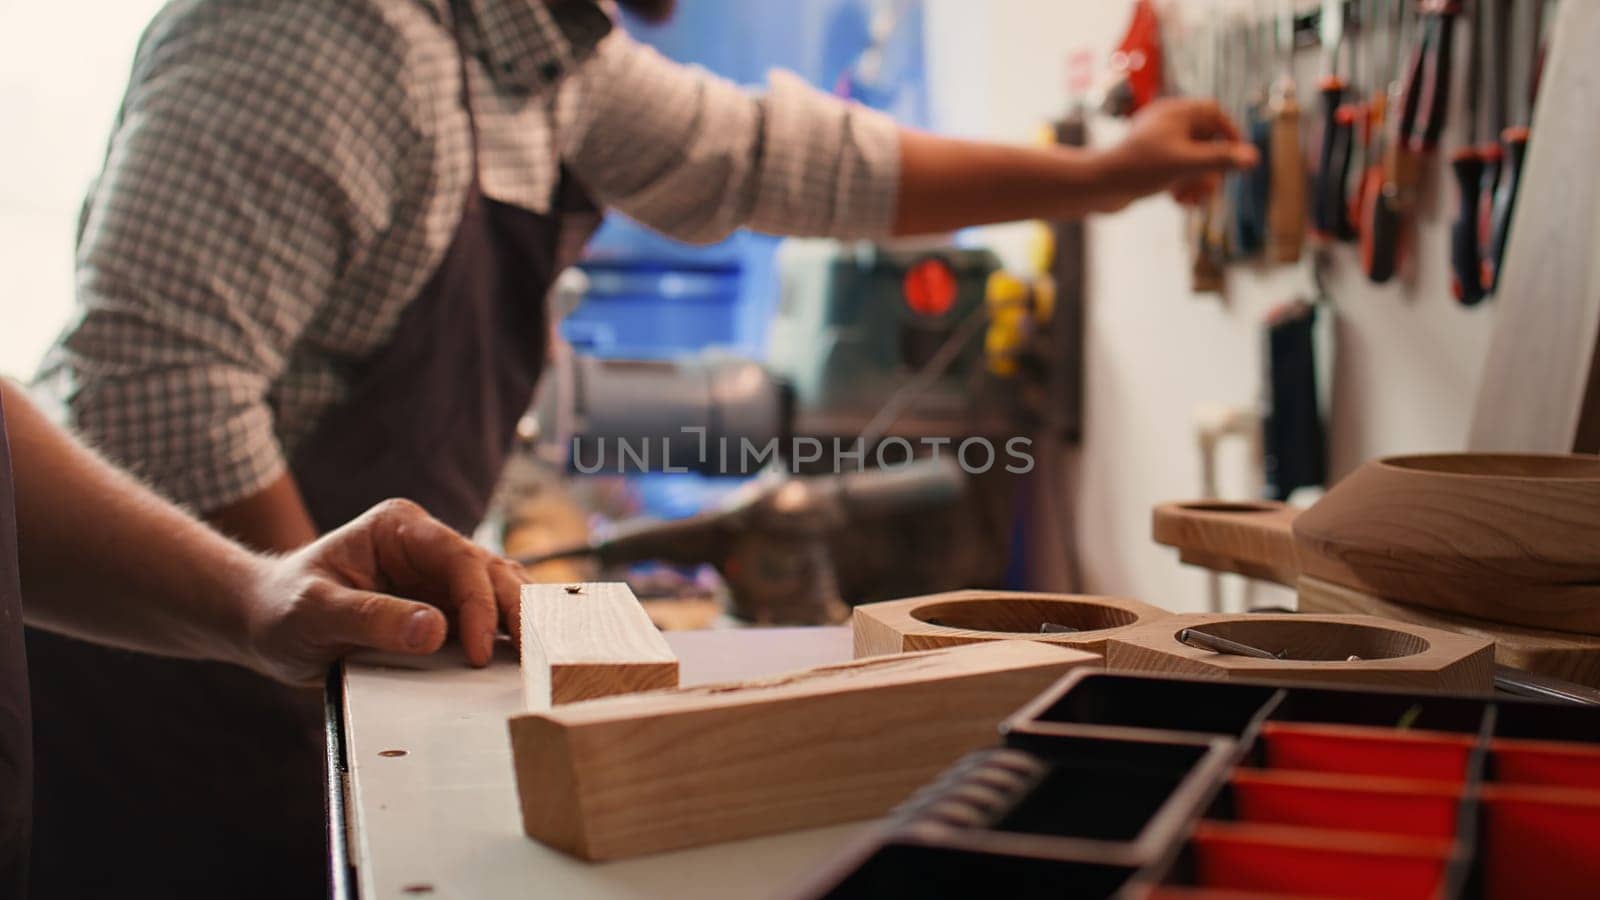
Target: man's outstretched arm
pixel 105 559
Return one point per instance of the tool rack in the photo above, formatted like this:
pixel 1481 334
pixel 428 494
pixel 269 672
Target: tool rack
pixel 1129 786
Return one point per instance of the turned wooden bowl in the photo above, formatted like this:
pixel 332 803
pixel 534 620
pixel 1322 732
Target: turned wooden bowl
pixel 1503 537
pixel 1315 648
pixel 966 617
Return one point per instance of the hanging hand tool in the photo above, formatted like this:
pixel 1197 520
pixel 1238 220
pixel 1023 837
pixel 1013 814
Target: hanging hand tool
pixel 1524 50
pixel 1359 111
pixel 1208 274
pixel 1428 88
pixel 1380 217
pixel 1496 24
pixel 1402 166
pixel 1253 188
pixel 1467 165
pixel 1329 213
pixel 1286 215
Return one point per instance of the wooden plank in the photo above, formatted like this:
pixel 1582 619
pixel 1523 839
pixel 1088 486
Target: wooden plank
pixel 1559 654
pixel 1541 380
pixel 582 641
pixel 631 775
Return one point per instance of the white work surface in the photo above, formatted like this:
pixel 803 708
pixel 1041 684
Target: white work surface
pixel 441 821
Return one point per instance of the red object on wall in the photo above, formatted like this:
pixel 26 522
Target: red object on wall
pixel 930 288
pixel 1138 57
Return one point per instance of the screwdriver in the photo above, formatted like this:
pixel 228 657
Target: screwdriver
pixel 1359 110
pixel 1402 167
pixel 1524 49
pixel 1329 215
pixel 1380 215
pixel 1467 165
pixel 1495 15
pixel 1254 187
pixel 1432 84
pixel 1286 211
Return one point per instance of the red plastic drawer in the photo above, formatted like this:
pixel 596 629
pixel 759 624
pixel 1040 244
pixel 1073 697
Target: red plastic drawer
pixel 1347 802
pixel 1278 859
pixel 1546 762
pixel 1360 750
pixel 1540 843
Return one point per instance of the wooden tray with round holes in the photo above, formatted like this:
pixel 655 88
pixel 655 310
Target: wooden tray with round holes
pixel 966 617
pixel 1501 537
pixel 1316 649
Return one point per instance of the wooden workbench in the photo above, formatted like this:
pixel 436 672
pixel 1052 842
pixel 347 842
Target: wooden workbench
pixel 441 820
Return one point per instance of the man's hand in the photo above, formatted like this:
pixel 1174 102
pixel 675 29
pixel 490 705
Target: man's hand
pixel 1182 145
pixel 344 593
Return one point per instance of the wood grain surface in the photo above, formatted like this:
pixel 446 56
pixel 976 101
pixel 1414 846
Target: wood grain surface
pixel 965 617
pixel 1507 538
pixel 1317 650
pixel 588 640
pixel 638 774
pixel 1560 654
pixel 1254 538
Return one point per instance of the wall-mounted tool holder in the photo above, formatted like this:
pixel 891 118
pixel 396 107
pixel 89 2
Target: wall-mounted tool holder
pixel 964 617
pixel 1115 785
pixel 1343 649
pixel 1506 540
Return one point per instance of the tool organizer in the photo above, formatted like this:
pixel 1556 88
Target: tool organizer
pixel 1129 786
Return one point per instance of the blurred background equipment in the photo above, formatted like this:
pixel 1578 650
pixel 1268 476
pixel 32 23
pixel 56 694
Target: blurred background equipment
pixel 770 539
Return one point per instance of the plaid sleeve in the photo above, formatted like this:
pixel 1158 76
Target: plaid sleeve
pixel 242 177
pixel 695 156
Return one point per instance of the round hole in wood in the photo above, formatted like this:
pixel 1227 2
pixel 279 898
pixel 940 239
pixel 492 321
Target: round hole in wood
pixel 1228 506
pixel 1315 641
pixel 391 753
pixel 1023 615
pixel 1501 465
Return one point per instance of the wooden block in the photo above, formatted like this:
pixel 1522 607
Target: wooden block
pixel 582 641
pixel 1559 654
pixel 625 776
pixel 1318 649
pixel 966 617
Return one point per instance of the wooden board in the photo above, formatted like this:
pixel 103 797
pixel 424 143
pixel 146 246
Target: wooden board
pixel 582 641
pixel 966 617
pixel 1559 654
pixel 1540 389
pixel 1391 653
pixel 625 776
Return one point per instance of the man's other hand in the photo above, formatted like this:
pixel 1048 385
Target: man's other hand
pixel 1183 145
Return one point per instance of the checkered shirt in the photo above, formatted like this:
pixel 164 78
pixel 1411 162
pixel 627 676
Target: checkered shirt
pixel 285 175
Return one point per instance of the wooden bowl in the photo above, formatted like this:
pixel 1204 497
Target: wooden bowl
pixel 1502 537
pixel 966 617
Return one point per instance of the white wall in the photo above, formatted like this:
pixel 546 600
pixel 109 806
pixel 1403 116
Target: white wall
pixel 63 65
pixel 1408 361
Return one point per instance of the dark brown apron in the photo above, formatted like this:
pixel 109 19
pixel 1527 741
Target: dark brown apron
pixel 16 739
pixel 172 778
